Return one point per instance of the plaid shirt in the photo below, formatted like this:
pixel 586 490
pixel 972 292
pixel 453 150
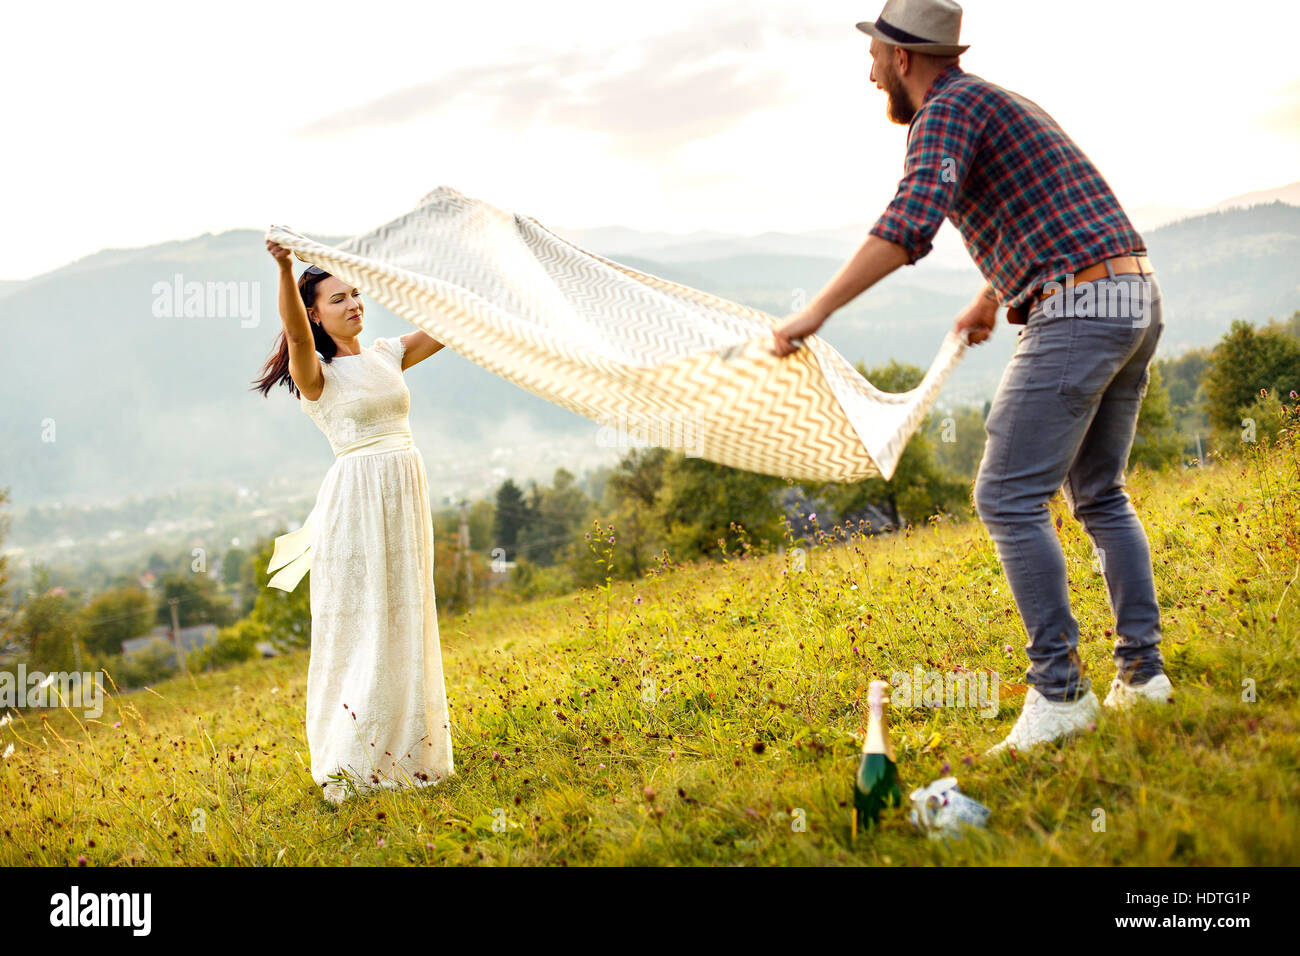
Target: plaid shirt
pixel 1027 201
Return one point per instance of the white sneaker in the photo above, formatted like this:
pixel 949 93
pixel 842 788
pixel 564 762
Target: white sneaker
pixel 1122 695
pixel 1044 720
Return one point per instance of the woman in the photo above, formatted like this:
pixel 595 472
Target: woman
pixel 376 701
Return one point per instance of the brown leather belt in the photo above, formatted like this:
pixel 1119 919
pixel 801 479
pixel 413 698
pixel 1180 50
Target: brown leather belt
pixel 1120 266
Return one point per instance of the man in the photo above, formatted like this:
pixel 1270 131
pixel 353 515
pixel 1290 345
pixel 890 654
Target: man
pixel 1056 248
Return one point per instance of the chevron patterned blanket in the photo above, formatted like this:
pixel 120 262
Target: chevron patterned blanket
pixel 658 362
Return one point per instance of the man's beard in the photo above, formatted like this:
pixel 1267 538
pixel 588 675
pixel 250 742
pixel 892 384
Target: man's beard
pixel 901 109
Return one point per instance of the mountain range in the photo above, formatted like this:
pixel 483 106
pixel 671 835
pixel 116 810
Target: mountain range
pixel 111 391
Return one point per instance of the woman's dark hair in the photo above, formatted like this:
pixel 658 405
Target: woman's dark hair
pixel 276 370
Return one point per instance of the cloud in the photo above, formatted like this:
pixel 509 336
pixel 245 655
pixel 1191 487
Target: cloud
pixel 1283 112
pixel 650 96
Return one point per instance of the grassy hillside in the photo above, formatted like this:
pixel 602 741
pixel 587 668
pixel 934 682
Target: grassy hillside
pixel 698 716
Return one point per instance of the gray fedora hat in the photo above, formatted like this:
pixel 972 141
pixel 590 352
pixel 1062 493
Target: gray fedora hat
pixel 927 26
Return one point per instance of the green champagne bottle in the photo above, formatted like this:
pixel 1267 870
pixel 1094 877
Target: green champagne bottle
pixel 877 782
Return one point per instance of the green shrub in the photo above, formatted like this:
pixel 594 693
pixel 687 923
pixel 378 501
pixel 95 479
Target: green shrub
pixel 154 662
pixel 235 643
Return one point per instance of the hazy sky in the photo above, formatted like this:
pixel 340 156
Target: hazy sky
pixel 138 123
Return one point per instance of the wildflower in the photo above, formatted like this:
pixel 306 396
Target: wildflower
pixel 945 768
pixel 118 724
pixel 49 679
pixel 381 843
pixel 6 719
pixel 8 751
pixel 649 794
pixel 81 860
pixel 637 599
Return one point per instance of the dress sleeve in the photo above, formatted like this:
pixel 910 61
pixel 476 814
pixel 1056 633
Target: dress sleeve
pixel 395 347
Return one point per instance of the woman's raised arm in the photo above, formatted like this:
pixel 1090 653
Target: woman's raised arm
pixel 304 363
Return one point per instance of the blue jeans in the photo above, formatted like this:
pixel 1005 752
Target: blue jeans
pixel 1065 415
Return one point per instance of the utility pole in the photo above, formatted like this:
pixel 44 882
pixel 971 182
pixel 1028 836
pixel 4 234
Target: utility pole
pixel 176 635
pixel 462 541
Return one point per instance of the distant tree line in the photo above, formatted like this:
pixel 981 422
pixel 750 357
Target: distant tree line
pixel 655 508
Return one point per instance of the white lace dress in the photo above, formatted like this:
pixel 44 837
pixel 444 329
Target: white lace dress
pixel 376 700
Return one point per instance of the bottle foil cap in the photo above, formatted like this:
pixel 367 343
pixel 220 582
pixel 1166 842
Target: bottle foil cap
pixel 878 693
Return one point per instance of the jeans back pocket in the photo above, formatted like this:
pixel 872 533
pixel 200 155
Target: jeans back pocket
pixel 1096 352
